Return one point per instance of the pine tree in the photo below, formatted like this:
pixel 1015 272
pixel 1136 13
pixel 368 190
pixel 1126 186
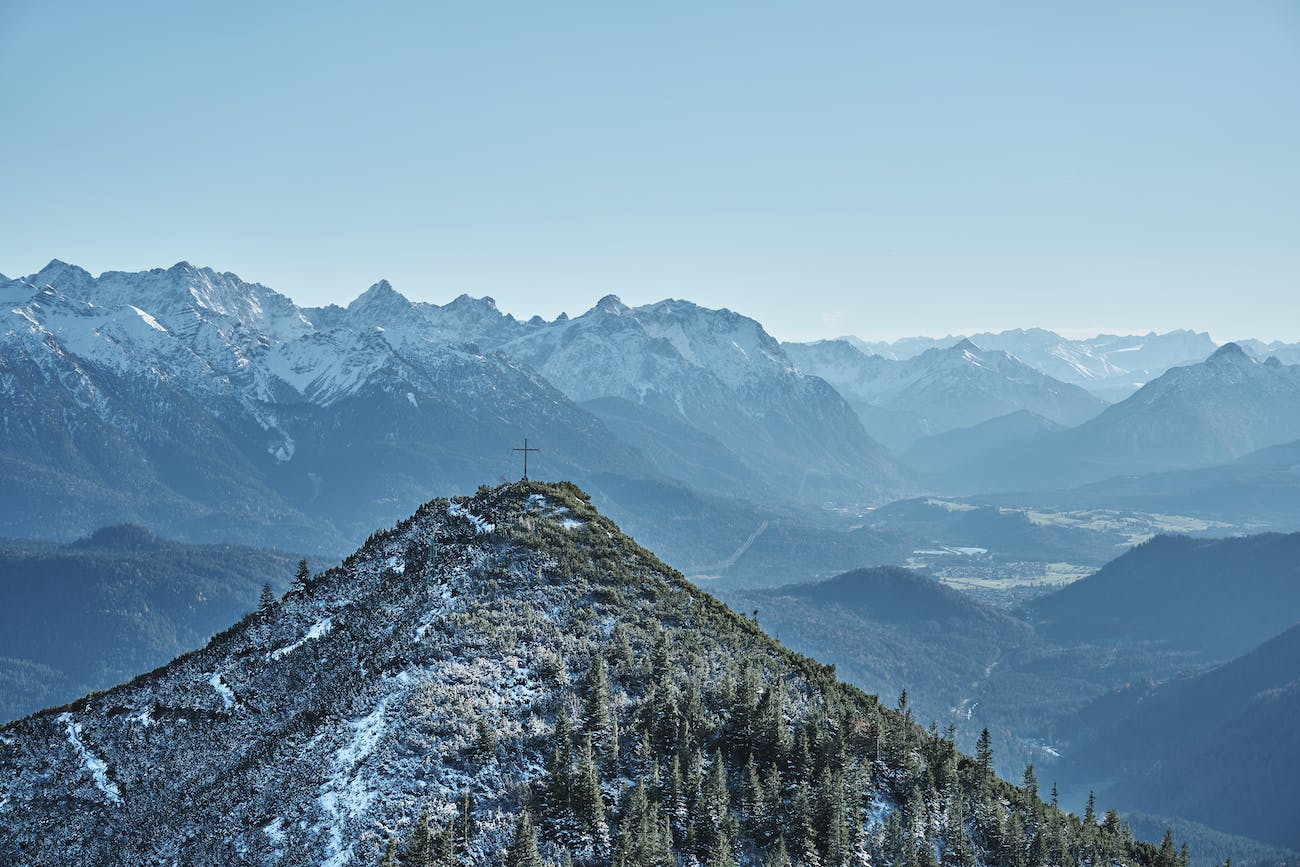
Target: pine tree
pixel 303 575
pixel 713 815
pixel 485 743
pixel 1029 787
pixel 984 753
pixel 595 713
pixel 523 848
pixel 266 601
pixel 390 854
pixel 557 798
pixel 588 802
pixel 778 857
pixel 419 848
pixel 1090 811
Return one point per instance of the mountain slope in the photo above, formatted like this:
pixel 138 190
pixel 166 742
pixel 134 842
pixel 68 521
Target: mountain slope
pixel 92 613
pixel 210 408
pixel 1260 491
pixel 945 387
pixel 1108 365
pixel 1217 598
pixel 719 373
pixel 1192 746
pixel 888 630
pixel 968 445
pixel 1194 416
pixel 421 692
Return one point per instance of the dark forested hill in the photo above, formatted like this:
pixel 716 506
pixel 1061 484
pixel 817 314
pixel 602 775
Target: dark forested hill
pixel 1214 597
pixel 1220 748
pixel 497 680
pixel 889 629
pixel 92 613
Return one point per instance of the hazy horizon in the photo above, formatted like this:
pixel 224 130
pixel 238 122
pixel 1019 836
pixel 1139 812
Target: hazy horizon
pixel 871 337
pixel 875 170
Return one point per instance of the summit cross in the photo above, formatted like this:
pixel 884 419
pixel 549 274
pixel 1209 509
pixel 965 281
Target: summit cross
pixel 525 450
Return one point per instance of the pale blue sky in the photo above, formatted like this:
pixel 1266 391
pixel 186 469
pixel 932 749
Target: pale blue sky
pixel 874 168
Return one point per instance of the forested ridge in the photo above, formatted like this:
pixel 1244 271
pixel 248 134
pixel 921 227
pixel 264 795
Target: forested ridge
pixel 509 678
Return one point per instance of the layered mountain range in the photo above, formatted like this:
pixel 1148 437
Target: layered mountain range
pixel 1197 415
pixel 209 408
pixel 1109 365
pixel 941 389
pixel 202 405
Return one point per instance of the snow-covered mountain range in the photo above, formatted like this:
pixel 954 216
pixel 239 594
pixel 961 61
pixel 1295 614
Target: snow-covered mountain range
pixel 1110 366
pixel 203 405
pixel 210 408
pixel 940 389
pixel 1196 415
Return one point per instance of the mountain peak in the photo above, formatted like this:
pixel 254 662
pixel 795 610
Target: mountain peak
pixel 62 276
pixel 612 305
pixel 381 293
pixel 1229 353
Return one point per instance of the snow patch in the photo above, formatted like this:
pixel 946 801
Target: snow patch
pixel 274 831
pixel 284 451
pixel 148 319
pixel 318 630
pixel 227 695
pixel 98 767
pixel 480 525
pixel 346 795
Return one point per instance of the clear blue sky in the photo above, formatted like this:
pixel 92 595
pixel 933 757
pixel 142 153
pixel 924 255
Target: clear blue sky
pixel 873 168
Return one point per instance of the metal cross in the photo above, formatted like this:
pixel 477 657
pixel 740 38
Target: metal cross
pixel 525 450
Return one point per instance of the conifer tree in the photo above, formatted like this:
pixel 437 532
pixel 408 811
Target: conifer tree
pixel 720 853
pixel 713 815
pixel 523 848
pixel 1029 787
pixel 465 825
pixel 770 741
pixel 1012 851
pixel 301 577
pixel 486 741
pixel 266 601
pixel 595 713
pixel 588 802
pixel 802 833
pixel 984 752
pixel 390 854
pixel 1168 855
pixel 832 819
pixel 557 798
pixel 419 847
pixel 957 848
pixel 778 857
